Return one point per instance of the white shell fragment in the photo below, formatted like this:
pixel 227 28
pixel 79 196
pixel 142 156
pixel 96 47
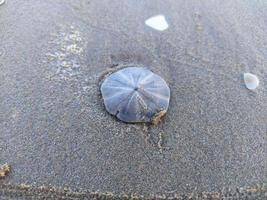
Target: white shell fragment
pixel 251 81
pixel 2 2
pixel 157 22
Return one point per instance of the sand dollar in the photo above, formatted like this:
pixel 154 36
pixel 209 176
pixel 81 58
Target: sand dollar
pixel 136 94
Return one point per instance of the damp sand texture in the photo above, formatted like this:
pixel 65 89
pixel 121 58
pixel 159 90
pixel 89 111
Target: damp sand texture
pixel 53 120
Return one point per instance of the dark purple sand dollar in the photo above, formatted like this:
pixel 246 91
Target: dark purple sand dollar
pixel 135 94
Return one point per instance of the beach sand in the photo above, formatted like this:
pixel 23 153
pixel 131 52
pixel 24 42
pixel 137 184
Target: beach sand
pixel 55 131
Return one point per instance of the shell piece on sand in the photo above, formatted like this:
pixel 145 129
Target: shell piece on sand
pixel 157 22
pixel 2 2
pixel 135 94
pixel 251 81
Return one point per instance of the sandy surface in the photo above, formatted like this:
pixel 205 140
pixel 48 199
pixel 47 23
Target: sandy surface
pixel 55 131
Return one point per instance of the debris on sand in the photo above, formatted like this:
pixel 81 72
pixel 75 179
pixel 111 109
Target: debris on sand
pixel 46 192
pixel 158 23
pixel 2 2
pixel 4 170
pixel 251 81
pixel 158 117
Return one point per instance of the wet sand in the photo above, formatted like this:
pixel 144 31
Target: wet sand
pixel 55 131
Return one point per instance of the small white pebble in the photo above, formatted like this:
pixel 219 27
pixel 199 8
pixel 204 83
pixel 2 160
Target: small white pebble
pixel 2 2
pixel 157 22
pixel 251 81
